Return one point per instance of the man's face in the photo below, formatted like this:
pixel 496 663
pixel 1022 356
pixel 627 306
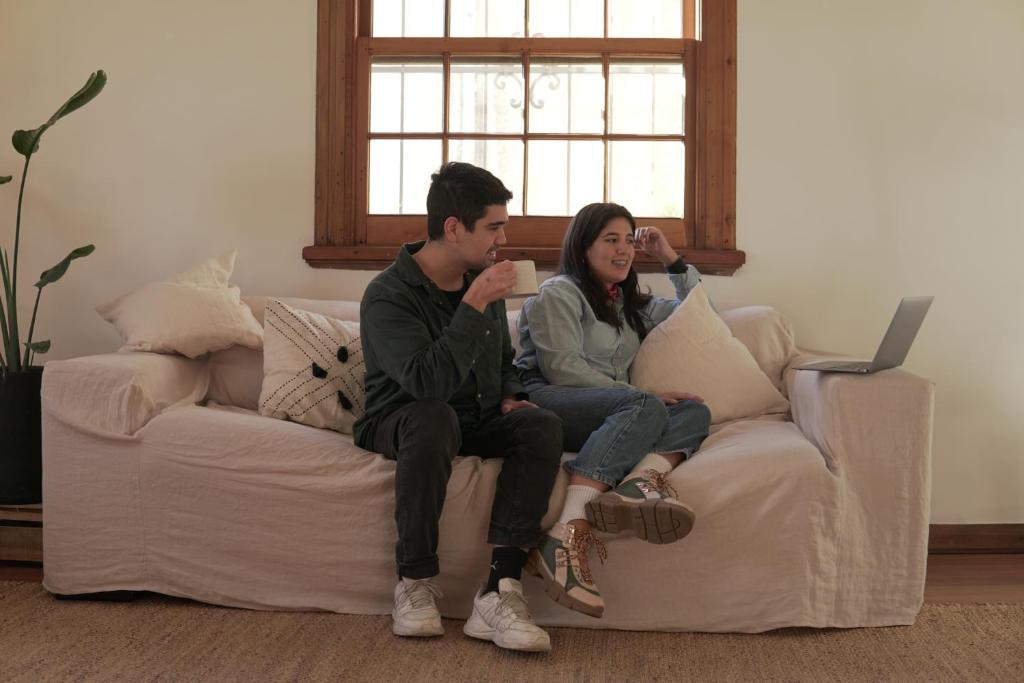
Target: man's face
pixel 479 249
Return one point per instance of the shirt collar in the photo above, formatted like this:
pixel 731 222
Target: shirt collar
pixel 410 271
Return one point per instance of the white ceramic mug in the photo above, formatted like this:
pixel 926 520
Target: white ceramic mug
pixel 526 278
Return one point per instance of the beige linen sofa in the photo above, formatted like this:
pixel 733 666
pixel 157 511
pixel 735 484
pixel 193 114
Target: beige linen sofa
pixel 160 475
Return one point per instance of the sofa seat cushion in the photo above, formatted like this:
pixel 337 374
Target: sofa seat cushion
pixel 245 510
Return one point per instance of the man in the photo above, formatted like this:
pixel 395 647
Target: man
pixel 439 379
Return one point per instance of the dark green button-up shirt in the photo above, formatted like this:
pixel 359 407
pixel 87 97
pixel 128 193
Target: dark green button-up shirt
pixel 418 346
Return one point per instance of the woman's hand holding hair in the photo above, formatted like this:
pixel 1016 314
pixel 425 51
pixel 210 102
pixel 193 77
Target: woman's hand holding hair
pixel 654 243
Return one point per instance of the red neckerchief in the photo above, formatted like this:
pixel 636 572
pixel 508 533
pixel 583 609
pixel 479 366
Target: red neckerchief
pixel 614 292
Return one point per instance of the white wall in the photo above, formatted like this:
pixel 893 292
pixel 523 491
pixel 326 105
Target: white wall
pixel 881 153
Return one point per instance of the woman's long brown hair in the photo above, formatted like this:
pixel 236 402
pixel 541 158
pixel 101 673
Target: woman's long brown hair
pixel 583 231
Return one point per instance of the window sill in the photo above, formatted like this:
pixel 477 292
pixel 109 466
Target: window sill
pixel 369 257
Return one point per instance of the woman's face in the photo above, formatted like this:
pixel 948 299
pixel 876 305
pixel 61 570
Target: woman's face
pixel 611 255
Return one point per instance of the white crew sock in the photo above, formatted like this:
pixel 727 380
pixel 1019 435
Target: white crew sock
pixel 653 461
pixel 576 500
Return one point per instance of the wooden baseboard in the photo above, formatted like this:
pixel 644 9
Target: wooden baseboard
pixel 21 533
pixel 949 539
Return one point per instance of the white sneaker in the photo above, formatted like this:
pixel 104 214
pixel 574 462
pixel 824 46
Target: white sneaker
pixel 415 612
pixel 502 618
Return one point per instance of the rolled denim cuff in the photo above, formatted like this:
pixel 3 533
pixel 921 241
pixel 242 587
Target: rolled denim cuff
pixel 426 569
pixel 589 474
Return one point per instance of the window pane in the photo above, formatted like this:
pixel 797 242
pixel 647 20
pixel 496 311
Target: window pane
pixel 658 19
pixel 567 18
pixel 564 175
pixel 405 96
pixel 408 18
pixel 646 98
pixel 486 97
pixel 503 158
pixel 487 18
pixel 400 174
pixel 566 96
pixel 647 177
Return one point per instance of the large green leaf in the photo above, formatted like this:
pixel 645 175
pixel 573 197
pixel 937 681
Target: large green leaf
pixel 5 179
pixel 57 272
pixel 10 341
pixel 91 89
pixel 39 346
pixel 26 142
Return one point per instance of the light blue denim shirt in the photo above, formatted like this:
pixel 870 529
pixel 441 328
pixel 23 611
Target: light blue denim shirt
pixel 560 335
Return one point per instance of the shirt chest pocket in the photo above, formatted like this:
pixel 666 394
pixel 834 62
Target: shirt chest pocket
pixel 601 340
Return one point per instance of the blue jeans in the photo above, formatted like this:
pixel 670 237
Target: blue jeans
pixel 614 428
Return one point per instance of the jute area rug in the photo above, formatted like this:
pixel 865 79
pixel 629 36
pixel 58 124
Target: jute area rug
pixel 166 639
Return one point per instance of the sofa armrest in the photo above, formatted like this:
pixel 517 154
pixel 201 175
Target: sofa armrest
pixel 118 393
pixel 885 416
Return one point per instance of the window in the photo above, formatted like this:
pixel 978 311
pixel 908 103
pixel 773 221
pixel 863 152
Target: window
pixel 567 101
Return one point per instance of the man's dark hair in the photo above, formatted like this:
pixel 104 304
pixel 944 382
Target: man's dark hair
pixel 464 191
pixel 583 231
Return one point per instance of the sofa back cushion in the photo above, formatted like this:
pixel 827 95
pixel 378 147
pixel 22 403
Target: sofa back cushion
pixel 766 333
pixel 236 374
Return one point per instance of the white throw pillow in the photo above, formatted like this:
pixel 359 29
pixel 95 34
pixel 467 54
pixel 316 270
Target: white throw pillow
pixel 694 351
pixel 313 368
pixel 192 313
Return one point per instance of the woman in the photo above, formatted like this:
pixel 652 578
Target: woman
pixel 579 336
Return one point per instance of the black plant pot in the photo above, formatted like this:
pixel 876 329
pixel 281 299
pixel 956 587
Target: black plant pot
pixel 21 464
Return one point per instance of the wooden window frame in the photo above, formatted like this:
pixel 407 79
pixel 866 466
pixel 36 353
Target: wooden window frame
pixel 706 236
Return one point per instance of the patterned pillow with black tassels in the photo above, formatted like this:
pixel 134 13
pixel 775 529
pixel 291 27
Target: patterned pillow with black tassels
pixel 313 369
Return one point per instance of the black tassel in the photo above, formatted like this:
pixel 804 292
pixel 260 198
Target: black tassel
pixel 343 354
pixel 319 372
pixel 345 403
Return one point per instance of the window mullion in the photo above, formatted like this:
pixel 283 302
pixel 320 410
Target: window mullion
pixel 526 125
pixel 446 80
pixel 605 69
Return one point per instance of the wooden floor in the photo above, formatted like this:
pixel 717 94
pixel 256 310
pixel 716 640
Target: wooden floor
pixel 951 578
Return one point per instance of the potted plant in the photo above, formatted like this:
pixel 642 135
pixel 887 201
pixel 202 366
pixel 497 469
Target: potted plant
pixel 20 378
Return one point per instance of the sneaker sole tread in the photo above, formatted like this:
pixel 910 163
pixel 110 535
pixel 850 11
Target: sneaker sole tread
pixel 651 520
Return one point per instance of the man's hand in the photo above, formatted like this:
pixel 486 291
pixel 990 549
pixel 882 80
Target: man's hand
pixel 494 283
pixel 654 243
pixel 509 404
pixel 672 397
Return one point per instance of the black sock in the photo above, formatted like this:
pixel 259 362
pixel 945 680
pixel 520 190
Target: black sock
pixel 506 563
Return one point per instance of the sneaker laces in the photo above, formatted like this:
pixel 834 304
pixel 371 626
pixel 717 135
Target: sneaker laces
pixel 656 482
pixel 512 607
pixel 421 593
pixel 577 545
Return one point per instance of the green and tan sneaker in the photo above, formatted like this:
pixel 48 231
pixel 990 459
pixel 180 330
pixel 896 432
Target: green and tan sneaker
pixel 561 561
pixel 646 505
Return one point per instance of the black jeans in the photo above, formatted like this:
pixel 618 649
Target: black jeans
pixel 424 436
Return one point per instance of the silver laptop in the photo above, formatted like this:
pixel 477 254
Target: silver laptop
pixel 895 345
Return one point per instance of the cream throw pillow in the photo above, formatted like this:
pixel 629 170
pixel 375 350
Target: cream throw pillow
pixel 192 313
pixel 313 368
pixel 693 350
